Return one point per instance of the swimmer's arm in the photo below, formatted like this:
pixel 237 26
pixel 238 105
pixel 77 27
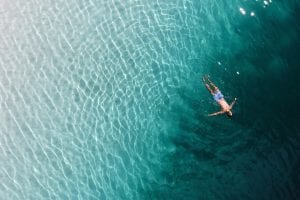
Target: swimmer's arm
pixel 216 113
pixel 231 105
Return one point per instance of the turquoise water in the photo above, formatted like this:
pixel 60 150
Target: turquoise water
pixel 103 100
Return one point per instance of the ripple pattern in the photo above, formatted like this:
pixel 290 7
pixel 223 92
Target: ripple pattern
pixel 82 87
pixel 90 93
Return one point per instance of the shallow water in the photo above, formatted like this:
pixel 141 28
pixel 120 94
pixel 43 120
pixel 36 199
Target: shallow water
pixel 103 100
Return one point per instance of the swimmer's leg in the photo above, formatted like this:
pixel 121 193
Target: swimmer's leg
pixel 207 86
pixel 215 88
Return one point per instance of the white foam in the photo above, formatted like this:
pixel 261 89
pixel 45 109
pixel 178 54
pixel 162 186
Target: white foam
pixel 242 10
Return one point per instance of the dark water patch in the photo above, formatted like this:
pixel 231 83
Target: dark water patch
pixel 254 155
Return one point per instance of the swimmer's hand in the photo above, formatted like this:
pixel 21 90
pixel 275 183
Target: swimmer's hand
pixel 231 105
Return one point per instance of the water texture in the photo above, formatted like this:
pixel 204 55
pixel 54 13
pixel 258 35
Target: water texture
pixel 103 99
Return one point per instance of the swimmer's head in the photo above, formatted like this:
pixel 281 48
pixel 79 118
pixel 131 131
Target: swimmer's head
pixel 229 113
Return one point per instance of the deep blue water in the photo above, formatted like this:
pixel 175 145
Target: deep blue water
pixel 254 155
pixel 104 100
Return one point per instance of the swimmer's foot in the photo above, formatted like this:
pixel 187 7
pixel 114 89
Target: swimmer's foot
pixel 205 77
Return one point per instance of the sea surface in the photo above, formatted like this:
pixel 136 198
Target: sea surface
pixel 103 99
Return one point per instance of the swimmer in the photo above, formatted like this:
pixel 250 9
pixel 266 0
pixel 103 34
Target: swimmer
pixel 219 98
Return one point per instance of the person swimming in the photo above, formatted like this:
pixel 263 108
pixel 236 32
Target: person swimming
pixel 219 98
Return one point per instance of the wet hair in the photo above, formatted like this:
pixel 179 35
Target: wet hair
pixel 228 115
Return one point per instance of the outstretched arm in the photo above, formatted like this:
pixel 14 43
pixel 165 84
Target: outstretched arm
pixel 231 105
pixel 216 113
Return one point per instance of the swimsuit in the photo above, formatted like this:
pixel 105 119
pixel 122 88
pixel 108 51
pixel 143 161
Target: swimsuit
pixel 218 96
